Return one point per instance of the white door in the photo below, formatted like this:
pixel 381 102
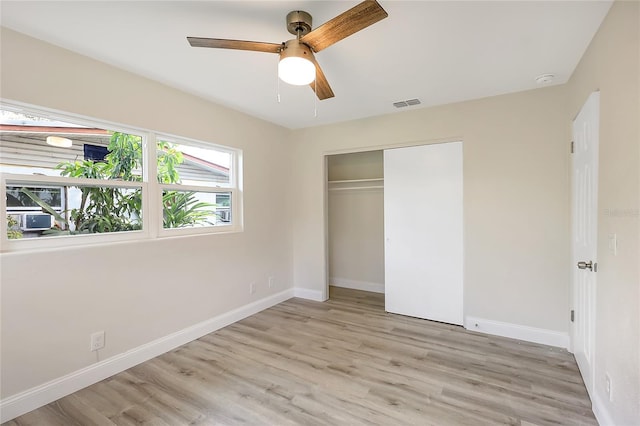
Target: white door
pixel 423 231
pixel 585 221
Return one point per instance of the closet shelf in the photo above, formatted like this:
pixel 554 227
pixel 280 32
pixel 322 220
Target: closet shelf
pixel 356 184
pixel 356 180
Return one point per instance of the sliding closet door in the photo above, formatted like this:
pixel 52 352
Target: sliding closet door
pixel 423 231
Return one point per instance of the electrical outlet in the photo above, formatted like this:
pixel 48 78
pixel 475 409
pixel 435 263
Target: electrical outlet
pixel 272 282
pixel 608 387
pixel 97 341
pixel 252 288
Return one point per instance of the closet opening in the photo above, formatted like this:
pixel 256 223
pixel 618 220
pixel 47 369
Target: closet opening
pixel 395 228
pixel 355 223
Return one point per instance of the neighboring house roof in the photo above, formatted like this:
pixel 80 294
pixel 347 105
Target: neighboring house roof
pixel 25 145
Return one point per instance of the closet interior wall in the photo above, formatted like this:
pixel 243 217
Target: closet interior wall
pixel 356 221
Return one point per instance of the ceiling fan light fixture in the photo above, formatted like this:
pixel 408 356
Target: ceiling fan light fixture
pixel 295 66
pixel 296 71
pixel 59 141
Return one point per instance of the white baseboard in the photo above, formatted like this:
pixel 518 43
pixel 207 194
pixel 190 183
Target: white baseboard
pixel 357 285
pixel 305 293
pixel 515 331
pixel 38 396
pixel 600 411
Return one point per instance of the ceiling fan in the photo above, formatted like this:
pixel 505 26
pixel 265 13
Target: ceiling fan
pixel 297 63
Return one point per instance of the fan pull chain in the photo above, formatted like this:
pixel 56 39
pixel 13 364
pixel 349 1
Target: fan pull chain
pixel 278 85
pixel 315 98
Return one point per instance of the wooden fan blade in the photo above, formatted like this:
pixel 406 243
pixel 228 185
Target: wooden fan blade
pixel 342 26
pixel 321 85
pixel 222 43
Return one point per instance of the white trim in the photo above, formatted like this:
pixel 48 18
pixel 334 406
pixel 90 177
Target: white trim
pixel 38 396
pixel 195 188
pixel 357 285
pixel 151 198
pixel 67 117
pixel 305 293
pixel 4 234
pixel 600 411
pixel 515 331
pixel 393 145
pixel 14 179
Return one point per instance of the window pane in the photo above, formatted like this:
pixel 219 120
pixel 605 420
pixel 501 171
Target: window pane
pixel 46 210
pixel 36 145
pixel 19 200
pixel 191 165
pixel 188 209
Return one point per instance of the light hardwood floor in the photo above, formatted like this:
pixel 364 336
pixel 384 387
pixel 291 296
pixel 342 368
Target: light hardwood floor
pixel 342 362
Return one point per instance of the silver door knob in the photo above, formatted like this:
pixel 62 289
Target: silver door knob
pixel 585 265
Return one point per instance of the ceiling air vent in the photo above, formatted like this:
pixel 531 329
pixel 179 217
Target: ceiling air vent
pixel 408 102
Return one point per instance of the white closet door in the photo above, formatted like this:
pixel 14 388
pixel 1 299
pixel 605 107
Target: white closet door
pixel 423 231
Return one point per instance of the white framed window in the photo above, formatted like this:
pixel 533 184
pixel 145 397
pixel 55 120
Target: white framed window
pixel 207 188
pixel 41 220
pixel 68 180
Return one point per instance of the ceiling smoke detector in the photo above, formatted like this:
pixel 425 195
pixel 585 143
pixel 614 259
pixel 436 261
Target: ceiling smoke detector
pixel 545 78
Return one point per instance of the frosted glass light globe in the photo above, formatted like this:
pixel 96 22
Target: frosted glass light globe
pixel 296 71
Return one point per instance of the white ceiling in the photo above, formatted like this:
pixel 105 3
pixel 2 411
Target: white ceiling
pixel 437 51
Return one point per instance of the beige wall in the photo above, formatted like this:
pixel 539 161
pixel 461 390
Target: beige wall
pixel 357 165
pixel 611 65
pixel 516 192
pixel 139 291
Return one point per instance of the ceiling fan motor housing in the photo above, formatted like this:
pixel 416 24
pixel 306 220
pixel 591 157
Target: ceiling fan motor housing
pixel 295 48
pixel 298 22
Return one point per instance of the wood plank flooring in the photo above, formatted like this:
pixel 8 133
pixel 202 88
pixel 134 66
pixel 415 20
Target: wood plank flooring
pixel 342 362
